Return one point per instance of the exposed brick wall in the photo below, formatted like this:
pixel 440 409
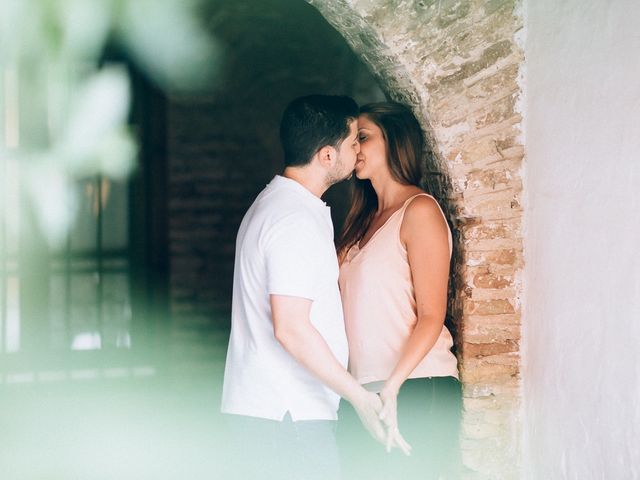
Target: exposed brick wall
pixel 457 63
pixel 210 179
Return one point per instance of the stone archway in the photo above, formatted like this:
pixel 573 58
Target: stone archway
pixel 458 64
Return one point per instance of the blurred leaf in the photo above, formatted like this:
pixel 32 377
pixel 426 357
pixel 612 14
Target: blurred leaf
pixel 72 116
pixel 169 44
pixel 100 109
pixel 54 197
pixel 116 154
pixel 85 25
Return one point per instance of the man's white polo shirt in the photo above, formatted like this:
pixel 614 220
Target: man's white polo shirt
pixel 284 247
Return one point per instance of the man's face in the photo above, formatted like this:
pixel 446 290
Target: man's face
pixel 347 154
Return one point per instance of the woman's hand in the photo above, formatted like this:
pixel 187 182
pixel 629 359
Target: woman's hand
pixel 389 416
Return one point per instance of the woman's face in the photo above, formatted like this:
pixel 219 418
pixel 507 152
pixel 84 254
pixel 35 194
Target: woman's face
pixel 372 159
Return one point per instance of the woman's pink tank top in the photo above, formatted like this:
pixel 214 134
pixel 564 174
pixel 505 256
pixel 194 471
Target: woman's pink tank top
pixel 380 308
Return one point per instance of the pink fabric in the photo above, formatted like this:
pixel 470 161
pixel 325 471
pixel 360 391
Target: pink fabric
pixel 380 308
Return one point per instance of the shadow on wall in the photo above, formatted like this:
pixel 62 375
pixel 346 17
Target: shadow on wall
pixel 437 183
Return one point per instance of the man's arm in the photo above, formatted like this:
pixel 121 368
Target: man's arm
pixel 294 331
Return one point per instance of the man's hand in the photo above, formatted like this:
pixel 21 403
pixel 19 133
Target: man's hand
pixel 368 407
pixel 389 415
pixel 293 329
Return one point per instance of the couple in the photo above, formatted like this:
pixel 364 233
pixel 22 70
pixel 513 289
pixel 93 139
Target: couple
pixel 301 312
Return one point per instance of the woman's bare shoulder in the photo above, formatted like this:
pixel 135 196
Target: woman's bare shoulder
pixel 423 205
pixel 423 214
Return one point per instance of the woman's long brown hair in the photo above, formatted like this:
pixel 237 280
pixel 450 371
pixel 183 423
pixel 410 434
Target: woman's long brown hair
pixel 404 142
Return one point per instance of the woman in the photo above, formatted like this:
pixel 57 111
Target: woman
pixel 395 251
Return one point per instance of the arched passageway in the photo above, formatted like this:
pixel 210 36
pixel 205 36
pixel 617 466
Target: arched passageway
pixel 458 65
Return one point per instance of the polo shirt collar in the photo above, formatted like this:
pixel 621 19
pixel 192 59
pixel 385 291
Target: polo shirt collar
pixel 285 182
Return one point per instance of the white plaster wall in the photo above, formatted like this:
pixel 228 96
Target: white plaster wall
pixel 581 322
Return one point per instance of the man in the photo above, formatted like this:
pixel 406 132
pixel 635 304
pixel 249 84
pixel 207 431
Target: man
pixel 285 368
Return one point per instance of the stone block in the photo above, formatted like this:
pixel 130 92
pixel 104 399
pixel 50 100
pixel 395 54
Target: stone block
pixel 508 257
pixel 490 333
pixel 471 349
pixel 475 371
pixel 491 307
pixel 510 388
pixel 487 294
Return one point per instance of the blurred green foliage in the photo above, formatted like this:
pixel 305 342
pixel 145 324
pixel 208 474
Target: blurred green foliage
pixel 63 111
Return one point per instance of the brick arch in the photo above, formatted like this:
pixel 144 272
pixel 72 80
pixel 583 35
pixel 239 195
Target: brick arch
pixel 458 65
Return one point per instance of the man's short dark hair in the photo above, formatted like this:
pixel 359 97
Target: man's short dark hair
pixel 312 122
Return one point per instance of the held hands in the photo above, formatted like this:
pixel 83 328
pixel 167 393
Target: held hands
pixel 368 407
pixel 379 416
pixel 389 416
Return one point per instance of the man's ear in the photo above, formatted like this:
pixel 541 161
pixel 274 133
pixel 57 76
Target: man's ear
pixel 327 156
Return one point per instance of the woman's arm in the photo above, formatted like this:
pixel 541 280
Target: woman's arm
pixel 425 235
